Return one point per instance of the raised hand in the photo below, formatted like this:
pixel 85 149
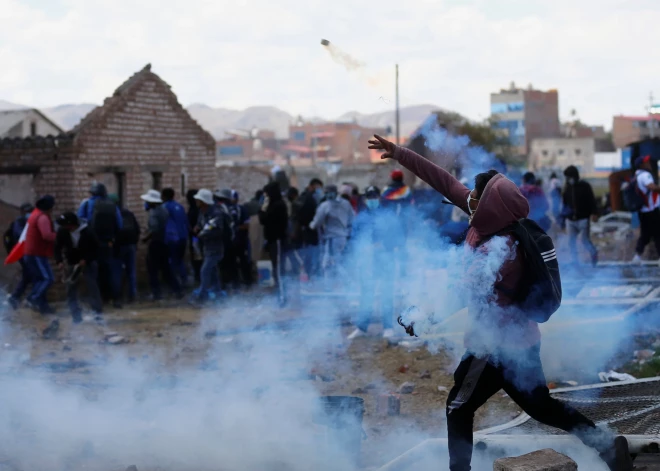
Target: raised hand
pixel 379 143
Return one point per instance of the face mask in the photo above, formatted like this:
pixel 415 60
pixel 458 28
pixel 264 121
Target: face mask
pixel 372 203
pixel 331 196
pixel 469 198
pixel 318 193
pixel 570 181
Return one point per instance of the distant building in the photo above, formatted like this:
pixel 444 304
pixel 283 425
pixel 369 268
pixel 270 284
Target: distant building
pixel 27 122
pixel 629 129
pixel 557 153
pixel 253 146
pixel 525 114
pixel 344 142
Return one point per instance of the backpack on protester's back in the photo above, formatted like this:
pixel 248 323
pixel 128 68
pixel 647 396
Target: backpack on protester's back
pixel 541 296
pixel 104 220
pixel 129 233
pixel 633 198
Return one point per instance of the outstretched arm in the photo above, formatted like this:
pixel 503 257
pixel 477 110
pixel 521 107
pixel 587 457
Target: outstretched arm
pixel 441 180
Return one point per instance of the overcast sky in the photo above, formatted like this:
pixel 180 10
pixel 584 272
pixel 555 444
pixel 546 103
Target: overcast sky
pixel 602 55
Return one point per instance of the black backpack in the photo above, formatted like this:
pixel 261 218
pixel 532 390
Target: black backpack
pixel 633 198
pixel 104 220
pixel 541 296
pixel 129 233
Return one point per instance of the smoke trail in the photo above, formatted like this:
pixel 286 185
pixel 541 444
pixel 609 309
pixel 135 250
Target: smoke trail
pixel 354 66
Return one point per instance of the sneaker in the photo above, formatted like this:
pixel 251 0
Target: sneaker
pixel 355 334
pixel 388 333
pixel 618 457
pixel 637 260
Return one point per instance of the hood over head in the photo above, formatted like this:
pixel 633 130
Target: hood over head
pixel 500 205
pixel 572 172
pixel 273 191
pixel 45 203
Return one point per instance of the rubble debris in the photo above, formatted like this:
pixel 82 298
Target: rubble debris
pixel 67 348
pixel 643 354
pixel 159 334
pixel 404 368
pixel 388 404
pixel 370 386
pixel 426 374
pixel 407 388
pixel 612 375
pixel 116 340
pixel 50 332
pixel 443 389
pixel 542 460
pixel 359 391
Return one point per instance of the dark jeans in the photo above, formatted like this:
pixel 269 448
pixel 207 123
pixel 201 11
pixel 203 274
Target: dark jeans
pixel 108 271
pixel 649 229
pixel 277 252
pixel 42 279
pixel 23 283
pixel 229 268
pixel 209 275
pixel 177 252
pixel 158 261
pixel 127 256
pixel 244 255
pixel 90 274
pixel 522 378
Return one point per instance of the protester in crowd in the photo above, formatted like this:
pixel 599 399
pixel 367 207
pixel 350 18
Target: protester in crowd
pixel 346 192
pixel 176 235
pixel 503 343
pixel 555 195
pixel 104 219
pixel 370 230
pixel 209 231
pixel 579 204
pixel 295 233
pixel 538 203
pixel 275 219
pixel 193 242
pixel 75 254
pixel 242 245
pixel 11 238
pixel 229 266
pixel 334 217
pixel 158 260
pixel 305 209
pixel 397 194
pixel 649 214
pixel 39 248
pixel 126 249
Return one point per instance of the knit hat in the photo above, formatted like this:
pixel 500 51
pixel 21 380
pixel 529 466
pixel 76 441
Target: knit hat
pixel 397 175
pixel 67 219
pixel 46 203
pixel 639 161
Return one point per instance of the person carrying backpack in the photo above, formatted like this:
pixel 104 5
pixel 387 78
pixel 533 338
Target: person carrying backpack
pixel 649 209
pixel 11 238
pixel 503 342
pixel 126 250
pixel 104 219
pixel 176 235
pixel 209 231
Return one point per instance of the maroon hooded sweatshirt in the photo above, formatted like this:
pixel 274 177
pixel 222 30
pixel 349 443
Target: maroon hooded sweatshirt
pixel 500 205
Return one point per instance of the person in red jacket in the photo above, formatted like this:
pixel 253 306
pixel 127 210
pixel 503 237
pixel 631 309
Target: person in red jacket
pixel 39 248
pixel 503 344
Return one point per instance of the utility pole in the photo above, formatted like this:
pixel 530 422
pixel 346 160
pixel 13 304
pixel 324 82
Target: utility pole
pixel 651 116
pixel 398 120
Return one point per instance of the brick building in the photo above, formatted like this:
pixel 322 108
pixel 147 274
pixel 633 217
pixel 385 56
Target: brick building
pixel 629 129
pixel 140 138
pixel 525 114
pixel 254 146
pixel 338 141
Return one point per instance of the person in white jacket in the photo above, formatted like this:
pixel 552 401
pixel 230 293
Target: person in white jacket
pixel 334 219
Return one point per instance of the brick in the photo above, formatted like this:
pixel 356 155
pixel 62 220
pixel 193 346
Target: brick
pixel 543 460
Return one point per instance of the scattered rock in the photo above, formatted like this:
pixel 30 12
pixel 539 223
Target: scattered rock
pixel 370 386
pixel 67 348
pixel 643 354
pixel 359 391
pixel 407 388
pixel 542 460
pixel 443 389
pixel 159 334
pixel 50 332
pixel 426 374
pixel 404 368
pixel 116 340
